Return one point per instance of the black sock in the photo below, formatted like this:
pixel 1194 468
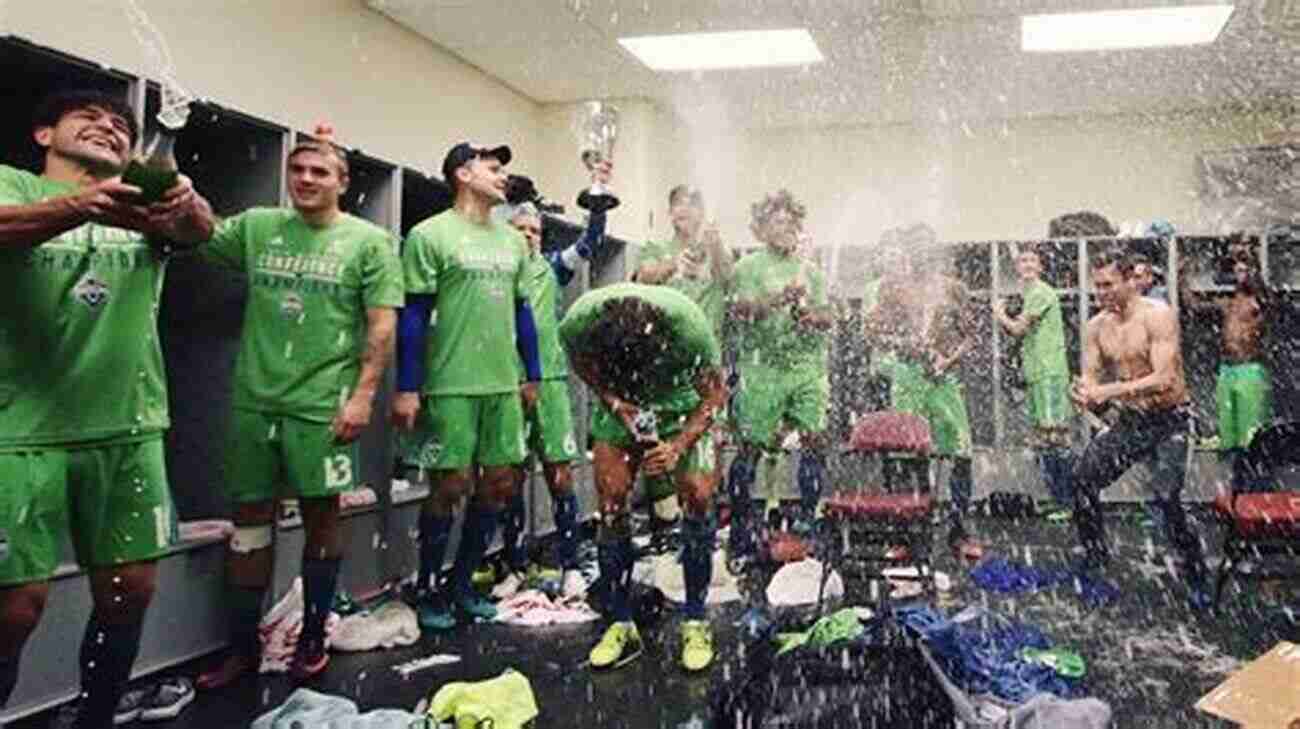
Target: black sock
pixel 9 676
pixel 435 531
pixel 107 654
pixel 319 578
pixel 245 610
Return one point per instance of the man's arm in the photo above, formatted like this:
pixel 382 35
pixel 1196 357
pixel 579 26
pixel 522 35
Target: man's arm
pixel 1016 326
pixel 108 202
pixel 565 263
pixel 712 389
pixel 720 259
pixel 412 336
pixel 656 272
pixel 1082 392
pixel 183 215
pixel 355 413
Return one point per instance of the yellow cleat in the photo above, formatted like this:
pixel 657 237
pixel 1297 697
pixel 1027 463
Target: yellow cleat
pixel 697 645
pixel 620 645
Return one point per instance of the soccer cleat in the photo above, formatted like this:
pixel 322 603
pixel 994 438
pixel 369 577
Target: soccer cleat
pixel 513 583
pixel 167 700
pixel 476 607
pixel 309 659
pixel 620 645
pixel 128 706
pixel 434 613
pixel 697 645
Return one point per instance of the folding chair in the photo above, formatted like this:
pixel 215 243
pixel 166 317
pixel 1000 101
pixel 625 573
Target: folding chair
pixel 1261 523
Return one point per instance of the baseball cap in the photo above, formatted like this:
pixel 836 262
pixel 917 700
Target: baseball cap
pixel 464 152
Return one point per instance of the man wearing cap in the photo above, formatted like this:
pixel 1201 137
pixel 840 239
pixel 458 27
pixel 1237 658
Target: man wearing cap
pixel 458 379
pixel 318 332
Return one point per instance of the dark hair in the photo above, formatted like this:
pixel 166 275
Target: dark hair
pixel 1122 260
pixel 1083 224
pixel 631 344
pixel 325 149
pixel 763 210
pixel 696 197
pixel 55 106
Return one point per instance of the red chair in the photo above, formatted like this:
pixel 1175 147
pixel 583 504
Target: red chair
pixel 1261 523
pixel 863 525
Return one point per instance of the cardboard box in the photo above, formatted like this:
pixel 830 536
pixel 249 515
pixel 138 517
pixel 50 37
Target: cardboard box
pixel 1265 694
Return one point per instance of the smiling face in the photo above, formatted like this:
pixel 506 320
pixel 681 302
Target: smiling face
pixel 1028 266
pixel 93 137
pixel 484 177
pixel 1113 288
pixel 316 181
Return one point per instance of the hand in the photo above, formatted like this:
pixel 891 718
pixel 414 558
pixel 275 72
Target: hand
pixel 352 418
pixel 1087 396
pixel 175 204
pixel 662 459
pixel 626 413
pixel 999 307
pixel 528 394
pixel 690 264
pixel 710 237
pixel 406 407
pixel 112 202
pixel 792 293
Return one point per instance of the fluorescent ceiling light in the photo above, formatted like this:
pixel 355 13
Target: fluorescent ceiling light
pixel 1110 30
pixel 733 49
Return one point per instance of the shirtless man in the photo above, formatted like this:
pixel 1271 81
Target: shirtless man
pixel 928 320
pixel 1136 341
pixel 1244 391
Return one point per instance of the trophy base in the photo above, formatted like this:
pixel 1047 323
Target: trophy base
pixel 152 182
pixel 597 202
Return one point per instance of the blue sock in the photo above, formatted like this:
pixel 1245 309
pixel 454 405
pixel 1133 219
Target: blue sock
pixel 1056 467
pixel 478 530
pixel 812 474
pixel 434 533
pixel 698 535
pixel 959 484
pixel 740 485
pixel 614 553
pixel 319 579
pixel 565 509
pixel 512 532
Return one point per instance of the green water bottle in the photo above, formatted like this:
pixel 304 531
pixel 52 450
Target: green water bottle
pixel 155 171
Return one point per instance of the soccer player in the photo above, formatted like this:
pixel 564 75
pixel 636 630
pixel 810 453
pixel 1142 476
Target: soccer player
pixel 318 332
pixel 650 356
pixel 550 424
pixel 1138 340
pixel 695 261
pixel 471 272
pixel 782 308
pixel 1046 374
pixel 83 399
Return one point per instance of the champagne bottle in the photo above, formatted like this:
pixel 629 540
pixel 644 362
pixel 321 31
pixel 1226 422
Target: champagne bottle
pixel 155 171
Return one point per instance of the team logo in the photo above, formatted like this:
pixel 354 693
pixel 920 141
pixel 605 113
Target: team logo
pixel 91 291
pixel 291 305
pixel 428 453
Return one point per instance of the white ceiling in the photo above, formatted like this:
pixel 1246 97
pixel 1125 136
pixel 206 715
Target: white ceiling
pixel 888 61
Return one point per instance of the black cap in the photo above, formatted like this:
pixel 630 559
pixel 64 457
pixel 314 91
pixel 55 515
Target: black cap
pixel 463 153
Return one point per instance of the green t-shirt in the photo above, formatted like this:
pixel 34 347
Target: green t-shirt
pixel 544 298
pixel 706 291
pixel 693 345
pixel 304 329
pixel 475 273
pixel 1043 352
pixel 775 340
pixel 79 354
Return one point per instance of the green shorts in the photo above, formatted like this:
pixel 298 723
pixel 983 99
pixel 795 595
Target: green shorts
pixel 548 429
pixel 458 431
pixel 1244 394
pixel 112 499
pixel 770 396
pixel 941 401
pixel 1049 403
pixel 269 455
pixel 700 459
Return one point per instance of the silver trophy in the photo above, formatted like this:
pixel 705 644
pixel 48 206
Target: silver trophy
pixel 597 128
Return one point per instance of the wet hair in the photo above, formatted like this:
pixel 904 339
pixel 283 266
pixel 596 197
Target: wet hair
pixel 1123 261
pixel 762 211
pixel 1083 224
pixel 696 197
pixel 55 106
pixel 630 342
pixel 325 149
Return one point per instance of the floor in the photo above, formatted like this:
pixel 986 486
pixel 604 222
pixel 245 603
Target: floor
pixel 1147 654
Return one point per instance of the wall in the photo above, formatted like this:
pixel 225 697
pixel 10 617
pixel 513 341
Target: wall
pixel 388 90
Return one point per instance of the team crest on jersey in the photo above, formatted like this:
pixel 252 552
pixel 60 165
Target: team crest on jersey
pixel 91 291
pixel 291 305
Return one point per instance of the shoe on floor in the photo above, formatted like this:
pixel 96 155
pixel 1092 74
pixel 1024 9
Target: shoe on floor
pixel 167 700
pixel 309 659
pixel 697 645
pixel 513 583
pixel 128 706
pixel 433 612
pixel 620 645
pixel 230 669
pixel 574 584
pixel 476 607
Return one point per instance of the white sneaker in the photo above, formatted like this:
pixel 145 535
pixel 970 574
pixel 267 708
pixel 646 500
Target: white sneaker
pixel 507 588
pixel 574 584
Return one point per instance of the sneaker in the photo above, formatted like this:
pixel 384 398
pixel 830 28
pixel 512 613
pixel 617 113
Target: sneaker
pixel 574 584
pixel 128 707
pixel 620 645
pixel 1060 516
pixel 513 583
pixel 434 613
pixel 309 658
pixel 697 645
pixel 231 667
pixel 167 700
pixel 483 577
pixel 476 607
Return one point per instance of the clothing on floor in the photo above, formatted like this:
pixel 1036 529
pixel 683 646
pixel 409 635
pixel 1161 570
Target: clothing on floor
pixel 392 624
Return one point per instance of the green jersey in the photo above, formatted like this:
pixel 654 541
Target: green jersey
pixel 304 326
pixel 775 340
pixel 544 298
pixel 79 354
pixel 475 274
pixel 693 344
pixel 706 291
pixel 1043 352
